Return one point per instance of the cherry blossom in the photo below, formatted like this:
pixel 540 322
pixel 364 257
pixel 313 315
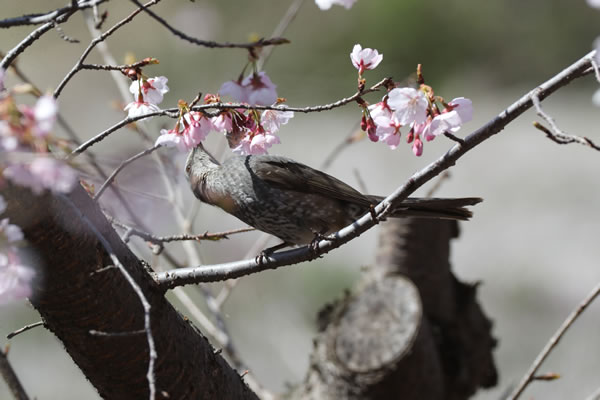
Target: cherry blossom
pixel 137 109
pixel 9 233
pixel 235 90
pixel 15 278
pixel 255 89
pixel 271 120
pixel 196 128
pixel 257 144
pixel 364 59
pixel 409 105
pixel 42 173
pixel 222 122
pixel 151 90
pixel 44 115
pixel 388 129
pixel 326 4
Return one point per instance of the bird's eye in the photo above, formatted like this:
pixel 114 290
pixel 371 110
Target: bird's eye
pixel 188 168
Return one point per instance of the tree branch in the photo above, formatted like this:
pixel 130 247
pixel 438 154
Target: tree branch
pixel 218 272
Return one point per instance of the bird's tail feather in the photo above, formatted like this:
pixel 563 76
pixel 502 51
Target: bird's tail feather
pixel 434 207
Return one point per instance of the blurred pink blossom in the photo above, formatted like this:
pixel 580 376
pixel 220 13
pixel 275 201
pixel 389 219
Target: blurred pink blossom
pixel 15 278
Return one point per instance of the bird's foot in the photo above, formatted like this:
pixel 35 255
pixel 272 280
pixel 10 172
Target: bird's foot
pixel 264 255
pixel 313 246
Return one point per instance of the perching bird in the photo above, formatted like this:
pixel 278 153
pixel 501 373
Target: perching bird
pixel 293 201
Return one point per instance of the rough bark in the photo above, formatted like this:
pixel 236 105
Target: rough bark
pixel 410 330
pixel 76 293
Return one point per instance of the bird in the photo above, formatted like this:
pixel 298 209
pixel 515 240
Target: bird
pixel 293 201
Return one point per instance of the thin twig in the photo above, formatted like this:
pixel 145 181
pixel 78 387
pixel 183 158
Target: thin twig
pixel 24 329
pixel 556 134
pixel 120 168
pixel 36 19
pixel 219 272
pixel 77 67
pixel 279 31
pixel 152 355
pixel 209 43
pixel 553 342
pixel 11 378
pixel 166 239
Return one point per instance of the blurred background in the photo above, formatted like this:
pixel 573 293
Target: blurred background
pixel 533 242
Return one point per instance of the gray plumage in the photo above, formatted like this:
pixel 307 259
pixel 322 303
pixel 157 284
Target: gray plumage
pixel 293 201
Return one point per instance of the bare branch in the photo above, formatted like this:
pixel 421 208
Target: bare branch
pixel 120 167
pixel 36 19
pixel 24 329
pixel 209 43
pixel 218 272
pixel 556 134
pixel 11 378
pixel 553 342
pixel 77 67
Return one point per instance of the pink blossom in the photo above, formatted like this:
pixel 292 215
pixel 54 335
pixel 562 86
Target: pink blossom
pixel 417 147
pixel 261 89
pixel 199 126
pixel 255 89
pixel 409 105
pixel 9 233
pixel 170 138
pixel 464 108
pixel 364 59
pixel 326 4
pixel 152 90
pixel 137 109
pixel 43 173
pixel 222 122
pixel 388 129
pixel 235 90
pixel 44 115
pixel 15 278
pixel 196 128
pixel 271 120
pixel 258 144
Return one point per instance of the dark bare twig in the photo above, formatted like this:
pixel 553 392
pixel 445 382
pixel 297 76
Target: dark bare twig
pixel 24 329
pixel 556 134
pixel 120 167
pixel 104 67
pixel 11 378
pixel 284 23
pixel 77 67
pixel 219 272
pixel 553 342
pixel 175 238
pixel 209 43
pixel 36 19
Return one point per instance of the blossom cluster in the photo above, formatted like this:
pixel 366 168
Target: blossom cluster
pixel 247 131
pixel 15 277
pixel 26 143
pixel 423 114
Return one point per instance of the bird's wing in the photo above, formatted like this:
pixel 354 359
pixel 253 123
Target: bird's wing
pixel 287 174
